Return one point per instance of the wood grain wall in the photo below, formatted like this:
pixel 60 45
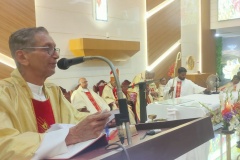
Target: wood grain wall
pixel 163 30
pixel 14 14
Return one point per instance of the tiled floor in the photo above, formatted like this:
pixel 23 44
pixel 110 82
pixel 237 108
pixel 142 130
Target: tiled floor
pixel 215 149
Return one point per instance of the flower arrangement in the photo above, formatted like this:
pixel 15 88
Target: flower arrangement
pixel 229 113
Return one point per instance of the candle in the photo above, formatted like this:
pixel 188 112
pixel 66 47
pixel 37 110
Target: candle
pixel 228 106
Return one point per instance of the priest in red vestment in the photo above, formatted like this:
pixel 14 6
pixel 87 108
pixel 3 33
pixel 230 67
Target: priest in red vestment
pixel 85 99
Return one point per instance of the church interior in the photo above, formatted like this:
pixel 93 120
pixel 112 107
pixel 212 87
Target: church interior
pixel 158 36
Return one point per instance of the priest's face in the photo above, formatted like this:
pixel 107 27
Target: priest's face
pixel 41 58
pixel 182 75
pixel 163 81
pixel 84 83
pixel 113 83
pixel 149 75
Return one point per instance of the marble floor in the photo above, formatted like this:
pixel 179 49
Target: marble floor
pixel 215 148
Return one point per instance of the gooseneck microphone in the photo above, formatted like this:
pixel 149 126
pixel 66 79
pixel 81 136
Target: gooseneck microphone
pixel 66 63
pixel 121 118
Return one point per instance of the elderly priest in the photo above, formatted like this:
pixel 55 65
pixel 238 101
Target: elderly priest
pixel 29 105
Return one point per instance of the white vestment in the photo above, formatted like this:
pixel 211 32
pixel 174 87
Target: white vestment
pixel 161 91
pixel 187 88
pixel 80 100
pixel 108 95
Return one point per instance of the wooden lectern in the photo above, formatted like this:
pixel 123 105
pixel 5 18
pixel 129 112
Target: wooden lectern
pixel 177 138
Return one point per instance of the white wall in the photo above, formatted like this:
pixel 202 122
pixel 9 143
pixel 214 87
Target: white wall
pixel 190 45
pixel 215 24
pixel 69 19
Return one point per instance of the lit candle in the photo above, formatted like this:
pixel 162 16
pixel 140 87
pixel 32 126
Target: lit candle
pixel 228 106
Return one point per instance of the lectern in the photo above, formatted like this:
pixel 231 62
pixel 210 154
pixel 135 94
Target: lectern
pixel 177 138
pixel 143 101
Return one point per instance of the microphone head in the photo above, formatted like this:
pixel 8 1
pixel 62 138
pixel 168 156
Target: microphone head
pixel 63 64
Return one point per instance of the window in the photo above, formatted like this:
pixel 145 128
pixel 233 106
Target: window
pixel 101 12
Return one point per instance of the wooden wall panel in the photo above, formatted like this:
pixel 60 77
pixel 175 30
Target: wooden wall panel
pixel 162 69
pixel 150 4
pixel 199 79
pixel 14 14
pixel 163 30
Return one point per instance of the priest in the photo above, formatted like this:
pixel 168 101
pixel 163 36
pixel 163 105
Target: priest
pixel 234 85
pixel 86 100
pixel 180 86
pixel 29 105
pixel 109 94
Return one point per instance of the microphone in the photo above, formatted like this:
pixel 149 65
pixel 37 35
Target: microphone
pixel 66 63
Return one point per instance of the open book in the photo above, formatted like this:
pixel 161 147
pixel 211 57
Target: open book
pixel 79 147
pixel 75 148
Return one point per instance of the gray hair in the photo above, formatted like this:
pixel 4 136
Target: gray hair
pixel 79 81
pixel 23 38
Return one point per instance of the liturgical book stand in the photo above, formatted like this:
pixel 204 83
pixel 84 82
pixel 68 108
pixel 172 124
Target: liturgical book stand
pixel 177 138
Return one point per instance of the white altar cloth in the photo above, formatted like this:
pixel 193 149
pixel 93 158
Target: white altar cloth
pixel 184 108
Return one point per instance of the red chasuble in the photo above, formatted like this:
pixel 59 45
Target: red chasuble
pixel 44 114
pixel 178 89
pixel 90 97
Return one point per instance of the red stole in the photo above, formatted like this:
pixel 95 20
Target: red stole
pixel 115 93
pixel 178 88
pixel 90 97
pixel 44 114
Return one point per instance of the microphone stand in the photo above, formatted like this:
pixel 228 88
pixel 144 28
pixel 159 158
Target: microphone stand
pixel 216 87
pixel 123 117
pixel 142 98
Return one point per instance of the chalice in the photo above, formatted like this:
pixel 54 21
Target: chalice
pixel 152 116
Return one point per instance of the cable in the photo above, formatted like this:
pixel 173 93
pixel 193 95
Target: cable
pixel 117 145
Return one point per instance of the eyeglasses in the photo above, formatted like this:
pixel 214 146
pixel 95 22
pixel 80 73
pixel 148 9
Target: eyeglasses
pixel 49 50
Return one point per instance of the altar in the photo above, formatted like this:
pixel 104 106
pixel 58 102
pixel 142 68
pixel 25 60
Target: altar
pixel 184 107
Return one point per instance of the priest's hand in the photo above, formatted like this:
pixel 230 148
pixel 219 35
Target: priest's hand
pixel 207 91
pixel 154 94
pixel 91 127
pixel 171 90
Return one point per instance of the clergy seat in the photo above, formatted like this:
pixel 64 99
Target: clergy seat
pixel 98 88
pixel 66 94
